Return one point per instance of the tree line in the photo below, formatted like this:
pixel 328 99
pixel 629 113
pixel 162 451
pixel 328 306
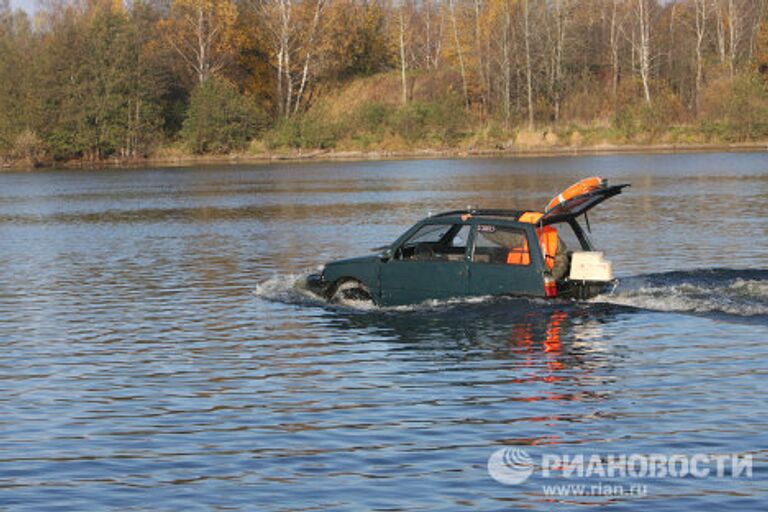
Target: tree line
pixel 92 79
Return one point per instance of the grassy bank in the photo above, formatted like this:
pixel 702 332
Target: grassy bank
pixel 178 158
pixel 367 119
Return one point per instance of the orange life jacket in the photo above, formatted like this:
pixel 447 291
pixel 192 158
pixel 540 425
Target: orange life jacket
pixel 530 217
pixel 519 255
pixel 548 240
pixel 547 237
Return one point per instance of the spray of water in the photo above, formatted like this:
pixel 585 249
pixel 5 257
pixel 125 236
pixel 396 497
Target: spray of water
pixel 728 291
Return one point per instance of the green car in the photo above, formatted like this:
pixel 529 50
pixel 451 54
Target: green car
pixel 479 253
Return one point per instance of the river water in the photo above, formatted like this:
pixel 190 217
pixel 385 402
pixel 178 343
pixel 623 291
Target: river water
pixel 158 351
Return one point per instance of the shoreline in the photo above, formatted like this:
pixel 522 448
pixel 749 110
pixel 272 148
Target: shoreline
pixel 319 155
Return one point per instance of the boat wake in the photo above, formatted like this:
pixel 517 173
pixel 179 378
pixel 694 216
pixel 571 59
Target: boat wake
pixel 288 289
pixel 735 292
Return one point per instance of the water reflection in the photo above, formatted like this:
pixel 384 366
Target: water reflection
pixel 529 341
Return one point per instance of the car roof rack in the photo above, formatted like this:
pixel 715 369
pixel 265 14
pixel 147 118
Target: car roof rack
pixel 515 214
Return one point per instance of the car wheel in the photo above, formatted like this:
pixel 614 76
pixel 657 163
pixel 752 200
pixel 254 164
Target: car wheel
pixel 350 291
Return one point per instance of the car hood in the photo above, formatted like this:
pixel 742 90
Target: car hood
pixel 350 261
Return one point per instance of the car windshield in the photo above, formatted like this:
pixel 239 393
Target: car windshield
pixel 430 234
pixel 436 242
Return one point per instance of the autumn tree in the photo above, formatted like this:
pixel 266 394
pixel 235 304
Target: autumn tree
pixel 356 41
pixel 458 47
pixel 558 26
pixel 202 33
pixel 96 84
pixel 761 52
pixel 8 55
pixel 293 32
pixel 527 44
pixel 102 78
pixel 427 36
pixel 148 83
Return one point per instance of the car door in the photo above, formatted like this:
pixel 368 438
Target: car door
pixel 505 260
pixel 431 264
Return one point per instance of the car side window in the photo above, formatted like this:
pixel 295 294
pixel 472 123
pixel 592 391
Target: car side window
pixel 501 245
pixel 461 238
pixel 436 242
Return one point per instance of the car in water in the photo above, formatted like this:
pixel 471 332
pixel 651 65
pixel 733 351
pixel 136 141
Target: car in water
pixel 481 252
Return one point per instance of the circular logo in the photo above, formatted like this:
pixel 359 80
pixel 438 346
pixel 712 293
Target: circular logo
pixel 510 466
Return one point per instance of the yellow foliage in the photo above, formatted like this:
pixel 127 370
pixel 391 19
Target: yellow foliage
pixel 203 33
pixel 761 51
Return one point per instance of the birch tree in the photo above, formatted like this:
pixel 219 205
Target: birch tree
pixel 202 33
pixel 507 63
pixel 528 66
pixel 701 13
pixel 734 35
pixel 481 51
pixel 613 35
pixel 559 23
pixel 459 51
pixel 401 44
pixel 434 24
pixel 309 52
pixel 644 46
pixel 293 31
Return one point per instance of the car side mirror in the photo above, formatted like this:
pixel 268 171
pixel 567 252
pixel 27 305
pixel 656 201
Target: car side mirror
pixel 386 254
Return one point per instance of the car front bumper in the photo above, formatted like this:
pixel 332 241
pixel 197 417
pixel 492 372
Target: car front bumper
pixel 317 284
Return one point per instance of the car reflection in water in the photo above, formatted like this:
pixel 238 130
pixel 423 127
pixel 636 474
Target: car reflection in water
pixel 515 341
pixel 551 344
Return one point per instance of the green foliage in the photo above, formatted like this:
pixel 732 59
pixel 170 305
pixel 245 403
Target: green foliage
pixel 731 111
pixel 427 123
pixel 174 104
pixel 448 119
pixel 19 109
pixel 410 121
pixel 761 52
pixel 27 146
pixel 99 87
pixel 735 110
pixel 641 122
pixel 313 129
pixel 715 130
pixel 373 116
pixel 439 121
pixel 747 108
pixel 367 50
pixel 105 100
pixel 220 119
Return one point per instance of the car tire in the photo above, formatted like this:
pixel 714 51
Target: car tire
pixel 349 291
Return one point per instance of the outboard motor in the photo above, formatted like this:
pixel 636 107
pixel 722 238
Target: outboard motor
pixel 590 275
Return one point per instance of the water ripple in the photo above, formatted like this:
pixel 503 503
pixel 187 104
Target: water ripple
pixel 160 353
